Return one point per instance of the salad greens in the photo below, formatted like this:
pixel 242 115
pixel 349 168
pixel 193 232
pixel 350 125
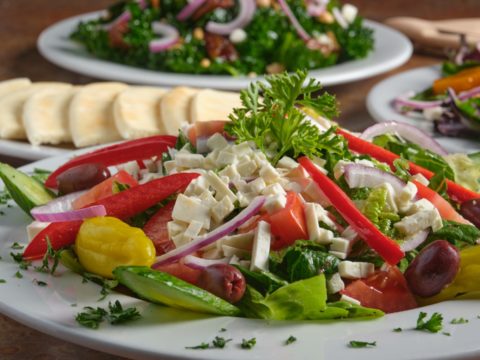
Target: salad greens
pixel 271 41
pixel 434 324
pixel 376 208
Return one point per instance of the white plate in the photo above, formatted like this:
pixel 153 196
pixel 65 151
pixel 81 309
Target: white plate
pixel 392 49
pixel 23 150
pixel 379 105
pixel 164 332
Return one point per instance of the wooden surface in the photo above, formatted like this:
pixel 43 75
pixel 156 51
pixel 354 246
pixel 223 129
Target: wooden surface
pixel 22 20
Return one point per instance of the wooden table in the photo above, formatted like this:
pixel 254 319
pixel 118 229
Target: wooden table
pixel 22 20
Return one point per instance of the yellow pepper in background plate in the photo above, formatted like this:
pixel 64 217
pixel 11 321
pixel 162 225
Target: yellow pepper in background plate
pixel 103 243
pixel 467 282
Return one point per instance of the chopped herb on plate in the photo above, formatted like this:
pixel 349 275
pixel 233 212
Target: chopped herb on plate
pixel 434 324
pixel 361 344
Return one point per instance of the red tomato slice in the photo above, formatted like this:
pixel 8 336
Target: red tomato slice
pixel 288 224
pixel 384 290
pixel 156 229
pixel 181 271
pixel 445 209
pixel 104 189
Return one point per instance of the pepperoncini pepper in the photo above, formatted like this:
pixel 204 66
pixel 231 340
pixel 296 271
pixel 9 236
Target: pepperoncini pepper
pixel 467 282
pixel 103 243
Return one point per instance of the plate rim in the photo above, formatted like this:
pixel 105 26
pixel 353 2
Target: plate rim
pixel 221 81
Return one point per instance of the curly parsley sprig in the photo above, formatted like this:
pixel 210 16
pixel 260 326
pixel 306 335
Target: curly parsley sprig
pixel 276 123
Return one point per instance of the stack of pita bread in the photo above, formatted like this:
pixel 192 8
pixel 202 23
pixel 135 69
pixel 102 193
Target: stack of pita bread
pixel 98 113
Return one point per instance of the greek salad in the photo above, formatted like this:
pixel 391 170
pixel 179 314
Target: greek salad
pixel 244 37
pixel 452 102
pixel 278 214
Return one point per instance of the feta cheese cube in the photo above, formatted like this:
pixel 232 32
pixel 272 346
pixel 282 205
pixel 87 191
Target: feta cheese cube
pixel 242 149
pixel 419 205
pixel 433 113
pixel 237 36
pixel 245 199
pixel 274 189
pixel 340 245
pixel 180 239
pixel 350 300
pixel 175 228
pixel 34 228
pixel 240 241
pixel 217 142
pixel 230 172
pixel 222 209
pixel 269 174
pixel 261 247
pixel 338 254
pixel 229 251
pixel 421 179
pixel 170 166
pixel 419 221
pixel 207 199
pixel 335 284
pixel 247 168
pixel 349 12
pixel 221 188
pixel 187 160
pixel 323 216
pixel 226 157
pixel 404 198
pixel 313 193
pixel 355 270
pixel 193 229
pixel 287 163
pixel 275 203
pixel 257 186
pixel 188 208
pixel 294 186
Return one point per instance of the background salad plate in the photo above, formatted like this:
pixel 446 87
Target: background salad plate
pixel 163 333
pixel 379 105
pixel 392 49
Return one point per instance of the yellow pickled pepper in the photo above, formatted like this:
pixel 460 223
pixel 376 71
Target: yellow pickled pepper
pixel 103 243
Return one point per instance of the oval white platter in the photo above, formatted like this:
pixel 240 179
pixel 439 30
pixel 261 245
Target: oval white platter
pixel 163 333
pixel 379 105
pixel 392 49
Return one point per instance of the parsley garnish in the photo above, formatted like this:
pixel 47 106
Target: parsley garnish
pixel 16 246
pixel 220 342
pixel 223 330
pixel 276 121
pixel 248 344
pixel 51 254
pixel 398 330
pixel 459 321
pixel 434 324
pixel 18 258
pixel 18 275
pixel 290 340
pixel 3 281
pixel 92 317
pixel 202 346
pixel 361 344
pixel 40 283
pixel 106 284
pixel 446 333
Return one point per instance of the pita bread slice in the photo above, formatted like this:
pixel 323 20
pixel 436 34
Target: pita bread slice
pixel 213 105
pixel 91 114
pixel 11 108
pixel 7 86
pixel 175 109
pixel 137 112
pixel 45 116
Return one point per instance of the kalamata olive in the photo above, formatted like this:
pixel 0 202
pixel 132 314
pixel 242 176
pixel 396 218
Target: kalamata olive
pixel 223 280
pixel 81 177
pixel 433 268
pixel 470 210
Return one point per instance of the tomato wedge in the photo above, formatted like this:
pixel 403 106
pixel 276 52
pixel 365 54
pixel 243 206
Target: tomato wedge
pixel 104 189
pixel 385 290
pixel 156 229
pixel 288 224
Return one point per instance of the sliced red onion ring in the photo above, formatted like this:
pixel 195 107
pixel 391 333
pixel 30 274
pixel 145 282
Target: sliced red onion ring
pixel 406 131
pixel 212 236
pixel 125 16
pixel 298 27
pixel 60 209
pixel 245 15
pixel 412 242
pixel 359 176
pixel 170 37
pixel 199 263
pixel 339 17
pixel 316 7
pixel 188 10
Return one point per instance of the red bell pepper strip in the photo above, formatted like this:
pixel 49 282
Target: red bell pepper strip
pixel 122 205
pixel 457 192
pixel 133 150
pixel 388 249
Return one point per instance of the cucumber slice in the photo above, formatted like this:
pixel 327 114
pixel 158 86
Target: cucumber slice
pixel 163 288
pixel 24 190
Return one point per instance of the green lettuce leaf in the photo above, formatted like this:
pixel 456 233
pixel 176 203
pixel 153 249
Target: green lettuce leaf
pixel 376 209
pixel 460 235
pixel 263 281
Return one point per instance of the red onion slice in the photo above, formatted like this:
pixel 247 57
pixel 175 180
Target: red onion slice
pixel 60 209
pixel 170 37
pixel 199 263
pixel 188 10
pixel 245 16
pixel 359 176
pixel 211 237
pixel 298 27
pixel 125 16
pixel 406 131
pixel 406 101
pixel 412 242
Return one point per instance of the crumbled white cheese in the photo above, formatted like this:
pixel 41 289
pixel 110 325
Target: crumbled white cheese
pixel 217 142
pixel 238 36
pixel 419 221
pixel 421 179
pixel 405 196
pixel 433 113
pixel 257 186
pixel 287 163
pixel 335 284
pixel 187 160
pixel 261 247
pixel 274 189
pixel 189 208
pixel 269 174
pixel 175 228
pixel 247 168
pixel 193 229
pixel 275 203
pixel 355 270
pixel 221 188
pixel 349 12
pixel 340 245
pixel 222 209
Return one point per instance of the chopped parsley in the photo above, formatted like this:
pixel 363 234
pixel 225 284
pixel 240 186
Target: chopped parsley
pixel 398 329
pixel 202 346
pixel 434 324
pixel 16 246
pixel 446 333
pixel 361 344
pixel 18 275
pixel 220 342
pixel 92 317
pixel 51 254
pixel 106 284
pixel 18 258
pixel 3 281
pixel 248 344
pixel 290 340
pixel 458 321
pixel 40 283
pixel 223 330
